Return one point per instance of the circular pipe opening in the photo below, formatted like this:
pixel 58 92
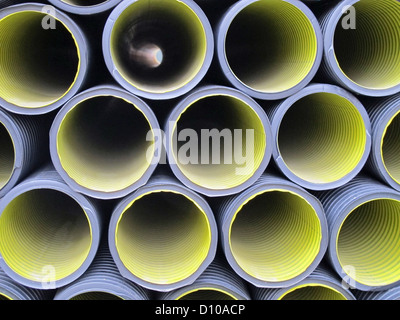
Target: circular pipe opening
pixel 44 231
pixel 271 46
pixel 312 292
pixel 390 148
pixel 96 295
pixel 3 297
pixel 38 66
pixel 206 294
pixel 368 241
pixel 330 138
pixel 163 237
pixel 175 29
pixel 216 120
pixel 275 236
pixel 367 54
pixel 7 156
pixel 102 143
pixel 84 3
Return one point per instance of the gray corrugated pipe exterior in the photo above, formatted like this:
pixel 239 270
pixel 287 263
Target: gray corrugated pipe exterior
pixel 322 284
pixel 102 142
pixel 85 7
pixel 12 290
pixel 207 134
pixel 322 136
pixel 34 39
pixel 384 161
pixel 360 41
pixel 102 281
pixel 24 146
pixel 274 234
pixel 49 234
pixel 391 294
pixel 174 52
pixel 364 245
pixel 217 282
pixel 163 235
pixel 269 65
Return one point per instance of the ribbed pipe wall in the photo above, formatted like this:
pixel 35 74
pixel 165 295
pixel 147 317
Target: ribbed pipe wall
pixel 321 284
pixel 49 234
pixel 12 290
pixel 391 294
pixel 273 234
pixel 24 143
pixel 102 281
pixel 85 7
pixel 363 218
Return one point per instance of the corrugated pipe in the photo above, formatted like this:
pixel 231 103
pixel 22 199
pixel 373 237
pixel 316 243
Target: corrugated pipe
pixel 158 49
pixel 11 290
pixel 23 145
pixel 274 234
pixel 49 234
pixel 332 133
pixel 361 44
pixel 219 141
pixel 364 227
pixel 269 49
pixel 102 281
pixel 102 142
pixel 35 39
pixel 163 236
pixel 384 160
pixel 217 282
pixel 391 294
pixel 85 7
pixel 322 284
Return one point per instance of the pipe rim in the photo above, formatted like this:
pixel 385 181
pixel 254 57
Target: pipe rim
pixel 206 287
pixel 286 105
pixel 85 10
pixel 259 190
pixel 335 227
pixel 167 187
pixel 82 52
pixel 222 59
pixel 188 85
pixel 202 93
pixel 99 91
pixel 92 221
pixel 330 57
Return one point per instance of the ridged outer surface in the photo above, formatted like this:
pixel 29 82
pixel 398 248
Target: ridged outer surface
pixel 103 276
pixel 16 291
pixel 391 294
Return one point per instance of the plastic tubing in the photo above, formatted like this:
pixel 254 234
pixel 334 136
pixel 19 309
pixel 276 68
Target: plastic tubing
pixel 217 282
pixel 23 144
pixel 269 49
pixel 85 7
pixel 48 234
pixel 274 234
pixel 361 43
pixel 322 284
pixel 391 294
pixel 34 41
pixel 322 136
pixel 162 236
pixel 102 281
pixel 235 161
pixel 102 142
pixel 385 120
pixel 364 244
pixel 158 49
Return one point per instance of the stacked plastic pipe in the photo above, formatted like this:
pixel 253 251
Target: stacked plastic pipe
pixel 116 176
